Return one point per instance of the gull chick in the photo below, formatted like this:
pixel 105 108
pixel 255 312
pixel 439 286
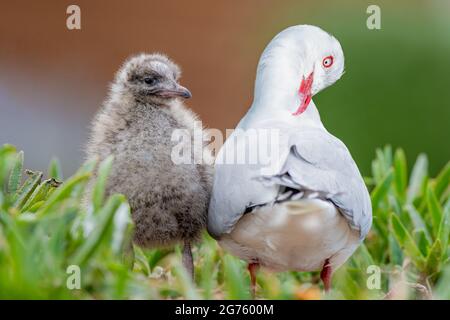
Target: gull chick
pixel 169 201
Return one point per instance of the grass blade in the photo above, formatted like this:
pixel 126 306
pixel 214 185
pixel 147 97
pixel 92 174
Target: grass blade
pixel 27 189
pixel 234 279
pixel 444 226
pixel 105 218
pixel 40 193
pixel 16 174
pixel 417 220
pixel 63 192
pixel 434 258
pixel 442 182
pixel 6 153
pixel 122 228
pixel 185 284
pixel 406 241
pixel 401 176
pixel 442 290
pixel 381 190
pixel 54 170
pixel 156 255
pixel 423 243
pixel 418 175
pixel 434 209
pixel 100 185
pixel 395 252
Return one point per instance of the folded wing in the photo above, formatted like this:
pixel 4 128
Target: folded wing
pixel 316 161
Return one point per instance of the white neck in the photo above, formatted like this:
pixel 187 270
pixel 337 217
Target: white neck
pixel 277 100
pixel 262 113
pixel 280 71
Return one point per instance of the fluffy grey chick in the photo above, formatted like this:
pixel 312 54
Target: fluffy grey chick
pixel 169 201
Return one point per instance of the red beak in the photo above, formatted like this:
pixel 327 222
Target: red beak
pixel 305 93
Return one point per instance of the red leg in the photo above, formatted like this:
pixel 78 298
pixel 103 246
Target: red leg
pixel 253 268
pixel 325 275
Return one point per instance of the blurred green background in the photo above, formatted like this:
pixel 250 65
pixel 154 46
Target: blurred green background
pixel 396 89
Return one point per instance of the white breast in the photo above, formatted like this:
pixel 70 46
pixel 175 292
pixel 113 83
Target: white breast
pixel 294 235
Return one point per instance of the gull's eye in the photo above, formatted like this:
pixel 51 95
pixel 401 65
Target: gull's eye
pixel 327 61
pixel 150 80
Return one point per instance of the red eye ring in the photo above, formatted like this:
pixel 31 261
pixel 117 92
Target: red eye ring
pixel 327 61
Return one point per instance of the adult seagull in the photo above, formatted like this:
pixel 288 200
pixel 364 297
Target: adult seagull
pixel 304 206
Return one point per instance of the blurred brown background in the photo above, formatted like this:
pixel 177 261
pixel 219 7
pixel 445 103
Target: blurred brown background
pixel 52 80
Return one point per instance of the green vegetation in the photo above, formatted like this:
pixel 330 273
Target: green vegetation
pixel 46 226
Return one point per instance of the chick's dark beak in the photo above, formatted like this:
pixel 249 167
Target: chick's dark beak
pixel 183 92
pixel 177 91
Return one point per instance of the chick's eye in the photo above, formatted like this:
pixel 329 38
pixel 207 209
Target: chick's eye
pixel 327 61
pixel 149 80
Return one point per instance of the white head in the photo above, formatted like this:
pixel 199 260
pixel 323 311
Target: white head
pixel 298 63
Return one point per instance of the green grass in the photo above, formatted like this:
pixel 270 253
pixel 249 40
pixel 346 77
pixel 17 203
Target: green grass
pixel 47 226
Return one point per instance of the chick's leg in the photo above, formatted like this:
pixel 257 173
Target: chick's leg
pixel 187 259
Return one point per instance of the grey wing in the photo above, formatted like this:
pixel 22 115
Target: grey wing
pixel 320 162
pixel 316 161
pixel 235 189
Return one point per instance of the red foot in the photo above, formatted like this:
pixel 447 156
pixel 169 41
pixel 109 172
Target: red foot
pixel 325 275
pixel 253 268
